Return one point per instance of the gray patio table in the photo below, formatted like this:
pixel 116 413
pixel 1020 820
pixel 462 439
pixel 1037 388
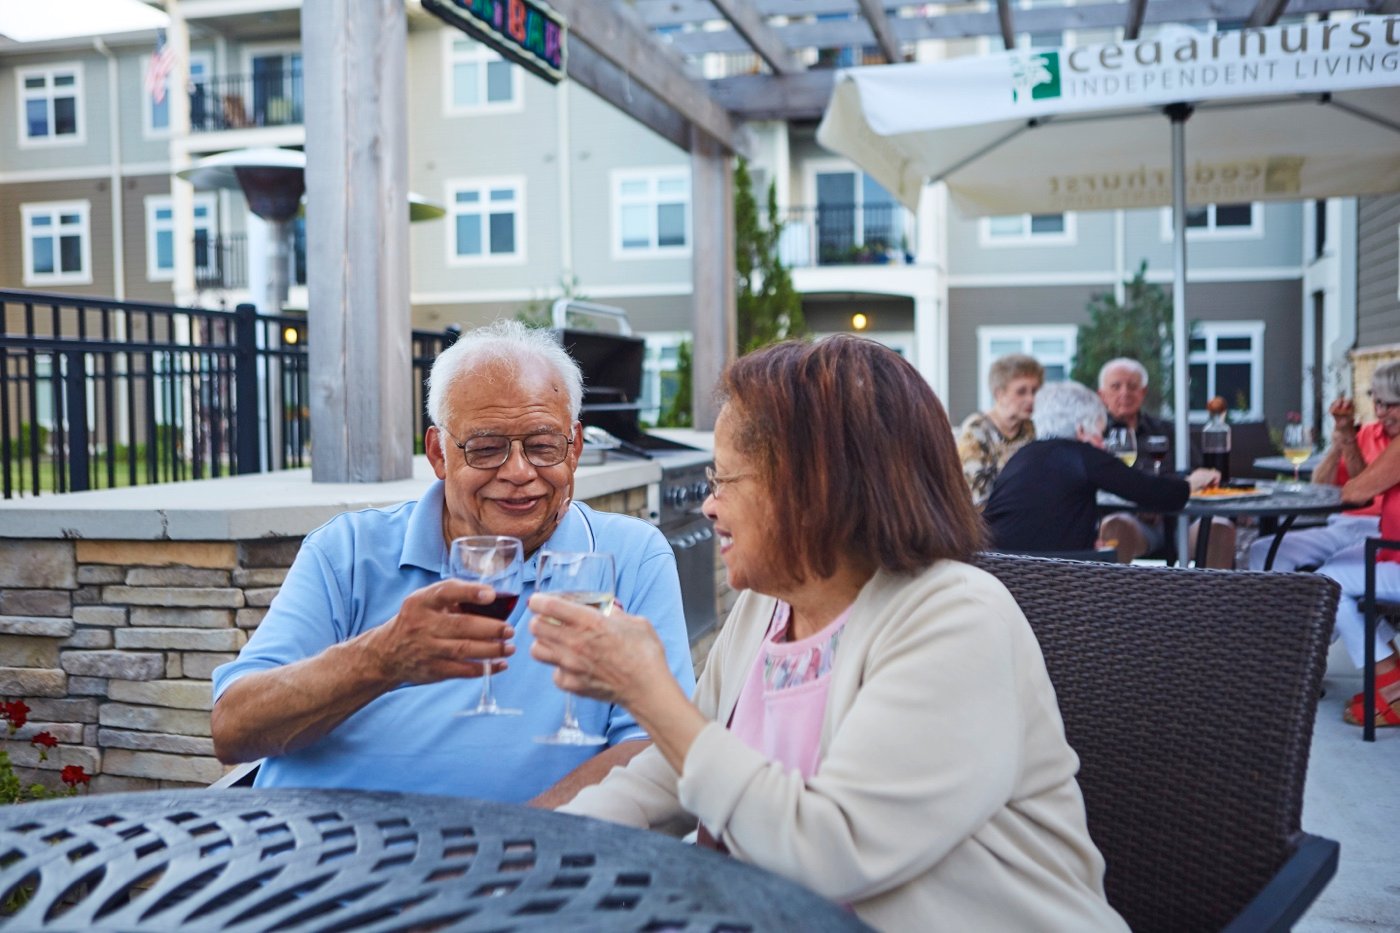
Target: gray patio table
pixel 1281 502
pixel 245 860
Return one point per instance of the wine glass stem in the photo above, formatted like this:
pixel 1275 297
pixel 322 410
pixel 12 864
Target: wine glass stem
pixel 1295 474
pixel 570 722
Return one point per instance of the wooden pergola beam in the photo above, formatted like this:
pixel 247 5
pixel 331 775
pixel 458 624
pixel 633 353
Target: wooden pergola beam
pixel 1005 24
pixel 756 32
pixel 612 84
pixel 879 23
pixel 910 29
pixel 1132 26
pixel 776 97
pixel 1266 13
pixel 620 39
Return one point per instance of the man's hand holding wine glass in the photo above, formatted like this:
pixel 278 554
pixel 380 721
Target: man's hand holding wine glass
pixel 431 638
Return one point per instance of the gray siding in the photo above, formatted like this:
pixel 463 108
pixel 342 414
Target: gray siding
pixel 1277 303
pixel 970 308
pixel 1378 271
pixel 96 192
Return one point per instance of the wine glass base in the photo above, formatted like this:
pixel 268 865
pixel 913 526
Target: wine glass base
pixel 492 710
pixel 568 736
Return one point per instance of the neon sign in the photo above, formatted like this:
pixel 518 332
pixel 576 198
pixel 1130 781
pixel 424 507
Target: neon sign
pixel 525 31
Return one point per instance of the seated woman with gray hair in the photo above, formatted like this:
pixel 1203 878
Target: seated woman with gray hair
pixel 1046 497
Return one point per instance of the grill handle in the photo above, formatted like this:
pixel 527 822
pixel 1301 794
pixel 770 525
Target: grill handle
pixel 563 307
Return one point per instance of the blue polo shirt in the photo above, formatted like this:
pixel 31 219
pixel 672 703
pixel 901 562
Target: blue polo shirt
pixel 354 572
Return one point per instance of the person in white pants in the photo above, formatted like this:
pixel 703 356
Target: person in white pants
pixel 1347 455
pixel 1379 480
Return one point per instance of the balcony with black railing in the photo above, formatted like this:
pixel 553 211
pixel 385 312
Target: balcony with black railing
pixel 847 234
pixel 235 102
pixel 221 262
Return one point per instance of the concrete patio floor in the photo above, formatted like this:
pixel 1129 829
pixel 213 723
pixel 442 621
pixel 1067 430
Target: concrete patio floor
pixel 1353 796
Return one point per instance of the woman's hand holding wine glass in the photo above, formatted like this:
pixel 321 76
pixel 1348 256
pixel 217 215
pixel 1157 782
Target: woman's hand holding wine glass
pixel 588 579
pixel 499 563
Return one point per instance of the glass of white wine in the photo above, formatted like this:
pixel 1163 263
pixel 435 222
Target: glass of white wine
pixel 587 578
pixel 1297 448
pixel 1122 443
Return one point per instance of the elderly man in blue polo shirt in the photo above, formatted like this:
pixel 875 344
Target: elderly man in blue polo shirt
pixel 353 677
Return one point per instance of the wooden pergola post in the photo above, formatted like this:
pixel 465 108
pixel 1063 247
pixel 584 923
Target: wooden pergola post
pixel 359 319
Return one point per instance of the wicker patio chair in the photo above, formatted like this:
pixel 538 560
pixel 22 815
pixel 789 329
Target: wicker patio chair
pixel 1189 696
pixel 1375 611
pixel 1106 555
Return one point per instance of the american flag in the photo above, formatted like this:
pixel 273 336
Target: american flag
pixel 159 67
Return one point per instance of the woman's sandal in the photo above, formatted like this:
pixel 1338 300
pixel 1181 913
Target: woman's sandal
pixel 1387 712
pixel 1389 678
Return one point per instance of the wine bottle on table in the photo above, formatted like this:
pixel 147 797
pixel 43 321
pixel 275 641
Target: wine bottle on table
pixel 1215 439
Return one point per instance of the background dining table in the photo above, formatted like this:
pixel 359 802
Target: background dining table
pixel 300 859
pixel 1276 506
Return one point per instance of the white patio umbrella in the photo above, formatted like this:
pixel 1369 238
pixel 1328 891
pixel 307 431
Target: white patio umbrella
pixel 1309 110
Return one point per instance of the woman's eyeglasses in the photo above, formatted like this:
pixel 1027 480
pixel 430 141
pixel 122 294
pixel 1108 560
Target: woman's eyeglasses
pixel 717 482
pixel 1381 405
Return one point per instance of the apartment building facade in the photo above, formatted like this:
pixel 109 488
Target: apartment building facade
pixel 550 190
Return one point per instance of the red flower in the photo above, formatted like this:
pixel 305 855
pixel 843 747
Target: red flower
pixel 43 742
pixel 73 775
pixel 16 711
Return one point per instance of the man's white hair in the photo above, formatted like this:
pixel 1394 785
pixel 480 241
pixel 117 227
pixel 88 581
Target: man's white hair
pixel 1124 362
pixel 507 342
pixel 1063 408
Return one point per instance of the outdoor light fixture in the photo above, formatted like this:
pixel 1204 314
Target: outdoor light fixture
pixel 274 183
pixel 859 321
pixel 290 336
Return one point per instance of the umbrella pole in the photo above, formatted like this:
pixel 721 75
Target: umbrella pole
pixel 1179 114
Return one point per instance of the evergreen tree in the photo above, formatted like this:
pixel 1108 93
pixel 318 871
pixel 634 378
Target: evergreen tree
pixel 1140 327
pixel 678 412
pixel 769 308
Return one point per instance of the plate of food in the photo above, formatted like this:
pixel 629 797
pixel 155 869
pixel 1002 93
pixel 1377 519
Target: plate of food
pixel 1230 493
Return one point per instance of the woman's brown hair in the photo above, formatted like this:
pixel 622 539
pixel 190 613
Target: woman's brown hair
pixel 856 452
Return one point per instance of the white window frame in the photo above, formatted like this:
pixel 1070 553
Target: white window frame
pixel 79 110
pixel 1067 237
pixel 484 185
pixel 652 175
pixel 657 343
pixel 908 222
pixel 482 56
pixel 148 128
pixel 83 209
pixel 154 227
pixel 1212 331
pixel 1026 335
pixel 260 50
pixel 1210 231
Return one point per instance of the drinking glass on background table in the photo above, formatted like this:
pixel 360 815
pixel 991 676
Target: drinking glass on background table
pixel 1122 443
pixel 584 577
pixel 1297 447
pixel 498 562
pixel 1156 447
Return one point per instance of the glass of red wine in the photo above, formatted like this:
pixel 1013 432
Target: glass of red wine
pixel 500 563
pixel 1156 446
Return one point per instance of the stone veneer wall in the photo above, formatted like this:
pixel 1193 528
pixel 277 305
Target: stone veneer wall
pixel 112 643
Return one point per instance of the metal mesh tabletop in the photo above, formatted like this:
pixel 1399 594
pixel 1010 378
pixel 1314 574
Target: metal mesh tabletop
pixel 348 860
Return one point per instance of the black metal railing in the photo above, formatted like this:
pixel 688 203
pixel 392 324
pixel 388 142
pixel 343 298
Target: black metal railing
pixel 233 102
pixel 847 234
pixel 97 393
pixel 222 261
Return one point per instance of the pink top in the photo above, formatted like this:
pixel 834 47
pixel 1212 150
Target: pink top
pixel 780 708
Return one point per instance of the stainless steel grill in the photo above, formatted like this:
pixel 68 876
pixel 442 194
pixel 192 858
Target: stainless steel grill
pixel 612 371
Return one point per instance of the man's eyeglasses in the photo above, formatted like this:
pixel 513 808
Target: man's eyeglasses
pixel 489 451
pixel 717 482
